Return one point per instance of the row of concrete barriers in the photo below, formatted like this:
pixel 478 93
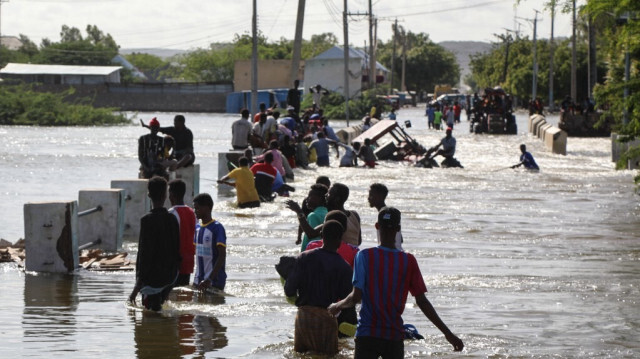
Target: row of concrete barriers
pixel 55 232
pixel 554 138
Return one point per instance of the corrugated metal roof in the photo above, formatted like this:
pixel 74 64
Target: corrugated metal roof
pixel 31 69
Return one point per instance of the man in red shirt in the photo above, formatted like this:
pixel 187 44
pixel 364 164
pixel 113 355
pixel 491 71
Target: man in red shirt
pixel 187 223
pixel 456 112
pixel 264 174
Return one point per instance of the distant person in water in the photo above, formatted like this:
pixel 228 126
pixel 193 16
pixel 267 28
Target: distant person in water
pixel 211 246
pixel 183 137
pixel 240 131
pixel 526 160
pixel 187 223
pixel 158 260
pixel 377 197
pixel 244 183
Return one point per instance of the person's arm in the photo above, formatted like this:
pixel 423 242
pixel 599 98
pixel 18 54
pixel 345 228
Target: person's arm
pixel 350 301
pixel 143 124
pixel 302 219
pixel 430 313
pixel 222 256
pixel 292 282
pixel 360 232
pixel 225 180
pixel 135 291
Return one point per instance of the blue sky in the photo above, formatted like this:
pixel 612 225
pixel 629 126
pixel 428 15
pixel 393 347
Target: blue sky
pixel 191 24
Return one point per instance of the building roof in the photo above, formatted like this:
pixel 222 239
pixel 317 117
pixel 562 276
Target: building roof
pixel 337 53
pixel 31 69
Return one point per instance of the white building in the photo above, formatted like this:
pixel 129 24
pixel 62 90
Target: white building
pixel 61 74
pixel 327 70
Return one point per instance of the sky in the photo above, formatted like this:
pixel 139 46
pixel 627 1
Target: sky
pixel 192 24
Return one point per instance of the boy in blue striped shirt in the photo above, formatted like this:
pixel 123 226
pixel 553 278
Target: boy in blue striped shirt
pixel 382 278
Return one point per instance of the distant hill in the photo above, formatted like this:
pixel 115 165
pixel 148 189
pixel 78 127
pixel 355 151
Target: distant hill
pixel 462 50
pixel 162 53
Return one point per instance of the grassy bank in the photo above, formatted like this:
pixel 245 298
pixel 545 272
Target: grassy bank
pixel 20 105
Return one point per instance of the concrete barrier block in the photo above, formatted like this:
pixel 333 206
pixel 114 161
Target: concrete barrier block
pixel 556 140
pixel 191 177
pixel 106 224
pixel 536 126
pixel 542 129
pixel 51 236
pixel 533 120
pixel 346 135
pixel 137 204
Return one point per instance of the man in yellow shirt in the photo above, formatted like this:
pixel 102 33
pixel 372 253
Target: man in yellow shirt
pixel 245 186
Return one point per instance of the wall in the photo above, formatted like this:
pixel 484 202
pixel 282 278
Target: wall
pixel 169 98
pixel 272 74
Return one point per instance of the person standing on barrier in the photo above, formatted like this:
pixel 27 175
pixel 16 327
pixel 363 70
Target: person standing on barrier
pixel 526 160
pixel 158 261
pixel 151 152
pixel 183 137
pixel 187 223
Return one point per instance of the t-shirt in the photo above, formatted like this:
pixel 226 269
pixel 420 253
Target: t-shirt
pixel 158 259
pixel 437 119
pixel 245 185
pixel 528 161
pixel 319 278
pixel 187 223
pixel 315 218
pixel 321 146
pixel 349 155
pixel 449 145
pixel 209 236
pixel 240 130
pixel 264 175
pixel 183 140
pixel 385 276
pixel 346 251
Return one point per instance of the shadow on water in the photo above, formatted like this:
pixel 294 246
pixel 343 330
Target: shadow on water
pixel 172 333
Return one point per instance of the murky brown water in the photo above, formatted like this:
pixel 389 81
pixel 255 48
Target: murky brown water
pixel 518 264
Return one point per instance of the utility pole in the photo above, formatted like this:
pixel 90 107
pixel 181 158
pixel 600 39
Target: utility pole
pixel 374 46
pixel 393 56
pixel 507 40
pixel 297 42
pixel 534 85
pixel 551 51
pixel 592 76
pixel 372 64
pixel 573 55
pixel 403 87
pixel 345 25
pixel 254 60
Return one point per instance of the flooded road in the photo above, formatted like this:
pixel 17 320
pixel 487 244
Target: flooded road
pixel 517 264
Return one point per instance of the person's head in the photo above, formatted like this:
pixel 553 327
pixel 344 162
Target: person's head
pixel 356 146
pixel 248 154
pixel 244 113
pixel 154 125
pixel 338 195
pixel 377 195
pixel 320 134
pixel 316 196
pixel 332 235
pixel 177 189
pixel 337 216
pixel 263 107
pixel 523 148
pixel 243 162
pixel 157 189
pixel 178 122
pixel 367 142
pixel 324 180
pixel 274 145
pixel 448 132
pixel 268 157
pixel 296 83
pixel 318 87
pixel 276 114
pixel 388 224
pixel 203 205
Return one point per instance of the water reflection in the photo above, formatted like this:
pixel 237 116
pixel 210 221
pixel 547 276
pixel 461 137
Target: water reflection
pixel 50 303
pixel 173 333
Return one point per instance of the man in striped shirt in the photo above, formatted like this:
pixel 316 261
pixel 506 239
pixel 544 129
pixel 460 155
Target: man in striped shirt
pixel 382 278
pixel 211 246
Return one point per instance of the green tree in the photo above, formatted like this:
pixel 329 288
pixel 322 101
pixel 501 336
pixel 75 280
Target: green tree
pixel 96 49
pixel 427 64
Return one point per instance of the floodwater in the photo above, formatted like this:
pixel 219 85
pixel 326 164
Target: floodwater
pixel 518 264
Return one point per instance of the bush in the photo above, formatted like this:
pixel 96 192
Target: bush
pixel 333 104
pixel 20 105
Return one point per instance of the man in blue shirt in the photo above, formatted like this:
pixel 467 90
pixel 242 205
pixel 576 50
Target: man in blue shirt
pixel 526 160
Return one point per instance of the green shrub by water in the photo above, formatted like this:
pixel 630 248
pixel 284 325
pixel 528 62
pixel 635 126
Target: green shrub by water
pixel 333 104
pixel 20 105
